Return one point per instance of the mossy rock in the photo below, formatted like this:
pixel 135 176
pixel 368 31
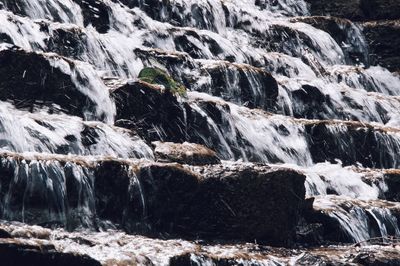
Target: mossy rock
pixel 158 76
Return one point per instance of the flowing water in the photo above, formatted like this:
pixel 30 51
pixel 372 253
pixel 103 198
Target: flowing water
pixel 283 93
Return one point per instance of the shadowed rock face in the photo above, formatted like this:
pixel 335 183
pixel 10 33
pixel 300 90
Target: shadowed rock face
pixel 381 33
pixel 95 13
pixel 15 252
pixel 250 86
pixel 383 39
pixel 343 31
pixel 371 151
pixel 155 113
pixel 65 42
pixel 235 201
pixel 357 9
pixel 30 79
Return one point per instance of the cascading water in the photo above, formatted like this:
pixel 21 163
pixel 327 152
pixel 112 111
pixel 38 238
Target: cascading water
pixel 267 84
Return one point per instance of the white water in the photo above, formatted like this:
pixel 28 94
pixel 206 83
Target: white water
pixel 298 54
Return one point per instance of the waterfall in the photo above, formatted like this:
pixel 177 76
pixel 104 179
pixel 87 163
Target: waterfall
pixel 268 83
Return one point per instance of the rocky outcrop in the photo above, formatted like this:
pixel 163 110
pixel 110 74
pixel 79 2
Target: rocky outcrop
pixel 33 245
pixel 69 42
pixel 184 153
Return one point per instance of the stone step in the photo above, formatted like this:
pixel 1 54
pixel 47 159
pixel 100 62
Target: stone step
pixel 255 135
pixel 21 243
pixel 346 220
pixel 30 79
pixel 223 201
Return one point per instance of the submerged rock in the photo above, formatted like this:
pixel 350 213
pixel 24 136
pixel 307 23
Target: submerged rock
pixel 116 248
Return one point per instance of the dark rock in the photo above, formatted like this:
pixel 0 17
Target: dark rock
pixel 184 153
pixel 310 102
pixel 237 83
pixel 17 253
pixel 332 217
pixel 154 113
pixel 95 13
pixel 201 15
pixel 67 42
pixel 245 202
pixel 357 9
pixel 383 39
pixel 230 202
pixel 371 146
pixel 237 202
pixel 368 259
pixel 345 33
pixel 17 7
pixel 30 79
pixel 392 179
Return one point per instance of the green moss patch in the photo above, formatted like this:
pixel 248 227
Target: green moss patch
pixel 158 76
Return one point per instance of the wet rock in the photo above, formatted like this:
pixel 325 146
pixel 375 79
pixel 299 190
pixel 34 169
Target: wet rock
pixel 392 179
pixel 346 220
pixel 24 252
pixel 311 103
pixel 185 153
pixel 237 83
pixel 357 9
pixel 13 6
pixel 153 112
pixel 30 80
pixel 345 33
pixel 179 65
pixel 330 141
pixel 244 202
pixel 238 201
pixel 199 45
pixel 383 39
pixel 368 259
pixel 23 8
pixel 69 42
pixel 197 14
pixel 95 13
